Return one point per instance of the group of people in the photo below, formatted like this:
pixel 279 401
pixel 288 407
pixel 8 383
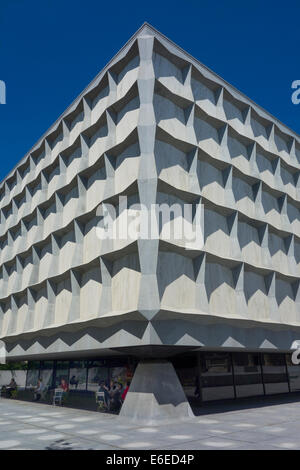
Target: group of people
pixel 37 391
pixel 114 394
pixel 40 388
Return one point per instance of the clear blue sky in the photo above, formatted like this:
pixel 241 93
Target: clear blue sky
pixel 51 49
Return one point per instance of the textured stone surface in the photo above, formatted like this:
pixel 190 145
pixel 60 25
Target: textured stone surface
pixel 155 394
pixel 265 424
pixel 155 125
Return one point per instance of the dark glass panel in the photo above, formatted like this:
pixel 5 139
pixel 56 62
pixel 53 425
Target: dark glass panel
pixel 78 375
pixel 187 370
pixel 247 374
pixel 294 373
pixel 274 373
pixel 216 376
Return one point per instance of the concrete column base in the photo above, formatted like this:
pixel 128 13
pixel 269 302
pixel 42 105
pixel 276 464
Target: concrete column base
pixel 155 394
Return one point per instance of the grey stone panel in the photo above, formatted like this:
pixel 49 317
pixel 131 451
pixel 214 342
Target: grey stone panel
pixel 155 393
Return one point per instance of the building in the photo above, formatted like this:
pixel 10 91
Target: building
pixel 157 127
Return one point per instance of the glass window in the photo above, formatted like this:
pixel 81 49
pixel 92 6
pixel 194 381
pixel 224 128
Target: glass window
pixel 294 373
pixel 14 366
pixel 274 373
pixel 34 365
pixel 216 376
pixel 97 372
pixel 46 375
pixel 13 370
pixel 78 374
pixel 47 365
pixel 247 374
pixel 122 374
pixel 33 374
pixel 62 372
pixel 32 378
pixel 188 373
pixel 18 375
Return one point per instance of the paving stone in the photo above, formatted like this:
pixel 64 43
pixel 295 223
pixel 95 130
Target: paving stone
pixel 22 425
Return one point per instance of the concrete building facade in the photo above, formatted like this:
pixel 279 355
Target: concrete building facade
pixel 157 127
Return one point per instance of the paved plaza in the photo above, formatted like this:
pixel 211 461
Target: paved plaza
pixel 265 425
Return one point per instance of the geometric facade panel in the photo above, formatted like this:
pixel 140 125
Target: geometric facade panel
pixel 155 126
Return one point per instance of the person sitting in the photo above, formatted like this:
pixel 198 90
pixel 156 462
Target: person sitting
pixel 39 390
pixel 11 388
pixel 73 381
pixel 64 385
pixel 125 391
pixel 12 384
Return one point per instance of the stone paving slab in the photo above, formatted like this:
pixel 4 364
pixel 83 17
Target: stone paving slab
pixel 25 425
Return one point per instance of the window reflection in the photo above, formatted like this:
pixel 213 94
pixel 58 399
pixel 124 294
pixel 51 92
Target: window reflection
pixel 187 371
pixel 216 376
pixel 62 373
pixel 32 378
pixel 32 374
pixel 247 374
pixel 122 374
pixel 274 373
pixel 97 372
pixel 46 373
pixel 204 376
pixel 294 373
pixel 78 373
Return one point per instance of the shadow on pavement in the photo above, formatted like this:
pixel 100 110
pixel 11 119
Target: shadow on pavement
pixel 222 406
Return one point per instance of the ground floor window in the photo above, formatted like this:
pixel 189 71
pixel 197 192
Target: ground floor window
pixel 293 371
pixel 80 379
pixel 16 371
pixel 216 376
pixel 188 374
pixel 33 374
pixel 205 376
pixel 78 375
pixel 209 376
pixel 46 373
pixel 62 373
pixel 247 374
pixel 97 373
pixel 275 373
pixel 122 374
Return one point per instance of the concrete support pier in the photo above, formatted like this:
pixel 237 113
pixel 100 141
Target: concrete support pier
pixel 155 394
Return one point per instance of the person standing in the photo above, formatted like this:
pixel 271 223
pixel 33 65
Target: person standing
pixel 115 397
